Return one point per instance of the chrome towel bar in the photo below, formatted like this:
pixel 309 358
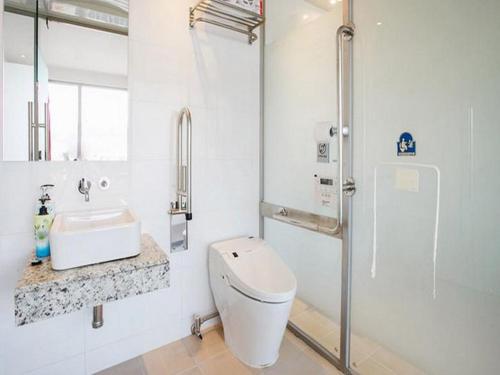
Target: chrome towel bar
pixel 227 16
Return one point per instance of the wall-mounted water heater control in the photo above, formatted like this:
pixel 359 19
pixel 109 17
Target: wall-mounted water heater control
pixel 325 188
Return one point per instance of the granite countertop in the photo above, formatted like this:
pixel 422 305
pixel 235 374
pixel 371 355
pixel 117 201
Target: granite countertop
pixel 42 292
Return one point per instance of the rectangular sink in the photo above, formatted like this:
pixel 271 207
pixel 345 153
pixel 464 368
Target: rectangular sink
pixel 88 237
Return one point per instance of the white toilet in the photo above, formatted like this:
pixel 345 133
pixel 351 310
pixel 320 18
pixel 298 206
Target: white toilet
pixel 254 292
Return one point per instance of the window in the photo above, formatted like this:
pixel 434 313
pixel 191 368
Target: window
pixel 87 122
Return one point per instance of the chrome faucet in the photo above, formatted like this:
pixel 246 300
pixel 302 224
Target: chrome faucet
pixel 84 188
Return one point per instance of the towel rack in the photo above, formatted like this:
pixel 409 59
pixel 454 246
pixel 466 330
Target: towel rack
pixel 228 16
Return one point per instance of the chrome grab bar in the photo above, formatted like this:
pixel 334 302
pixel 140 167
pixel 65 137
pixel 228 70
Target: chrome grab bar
pixel 344 32
pixel 184 167
pixel 34 126
pixel 302 219
pixel 30 131
pixel 46 128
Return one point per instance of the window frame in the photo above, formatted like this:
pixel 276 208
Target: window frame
pixel 79 86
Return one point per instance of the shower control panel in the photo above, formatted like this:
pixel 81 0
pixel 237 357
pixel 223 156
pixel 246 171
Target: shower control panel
pixel 325 188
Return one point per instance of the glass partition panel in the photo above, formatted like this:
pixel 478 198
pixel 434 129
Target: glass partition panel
pixel 300 165
pixel 426 259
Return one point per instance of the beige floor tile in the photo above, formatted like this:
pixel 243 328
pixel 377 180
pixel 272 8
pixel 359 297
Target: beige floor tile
pixel 223 364
pixel 395 363
pixel 331 342
pixel 298 307
pixel 314 324
pixel 294 340
pixel 211 345
pixel 328 368
pixel 192 356
pixel 370 367
pixel 362 348
pixel 168 360
pixel 293 361
pixel 134 366
pixel 192 371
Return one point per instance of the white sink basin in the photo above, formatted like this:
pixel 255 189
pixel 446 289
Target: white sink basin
pixel 88 237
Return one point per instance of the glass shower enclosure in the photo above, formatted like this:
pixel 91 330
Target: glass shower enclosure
pixel 302 157
pixel 410 282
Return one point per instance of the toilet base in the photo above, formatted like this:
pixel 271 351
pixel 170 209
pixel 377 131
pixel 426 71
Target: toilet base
pixel 253 330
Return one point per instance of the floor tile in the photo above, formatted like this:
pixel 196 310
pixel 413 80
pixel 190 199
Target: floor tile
pixel 331 342
pixel 362 348
pixel 290 336
pixel 293 361
pixel 211 345
pixel 298 307
pixel 314 324
pixel 192 356
pixel 168 360
pixel 328 368
pixel 192 371
pixel 134 366
pixel 395 363
pixel 223 364
pixel 370 367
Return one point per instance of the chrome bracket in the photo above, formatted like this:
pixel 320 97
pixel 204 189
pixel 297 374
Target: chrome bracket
pixel 199 320
pixel 97 317
pixel 349 187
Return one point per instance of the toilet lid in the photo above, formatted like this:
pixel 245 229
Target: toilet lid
pixel 255 269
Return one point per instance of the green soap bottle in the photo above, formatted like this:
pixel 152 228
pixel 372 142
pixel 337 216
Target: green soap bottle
pixel 42 223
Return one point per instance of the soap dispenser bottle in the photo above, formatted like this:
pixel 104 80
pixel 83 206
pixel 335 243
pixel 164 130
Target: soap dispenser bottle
pixel 42 222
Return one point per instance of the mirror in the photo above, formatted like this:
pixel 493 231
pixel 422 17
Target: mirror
pixel 65 80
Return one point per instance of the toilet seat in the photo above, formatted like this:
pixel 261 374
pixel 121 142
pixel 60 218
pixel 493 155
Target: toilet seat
pixel 255 270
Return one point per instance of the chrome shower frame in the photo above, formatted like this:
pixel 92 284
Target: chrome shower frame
pixel 347 188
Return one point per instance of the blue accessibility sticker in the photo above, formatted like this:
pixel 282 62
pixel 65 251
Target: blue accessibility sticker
pixel 407 145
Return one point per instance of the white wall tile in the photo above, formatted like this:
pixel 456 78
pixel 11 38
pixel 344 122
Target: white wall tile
pixel 74 366
pixel 122 319
pixel 213 72
pixel 33 346
pixel 151 130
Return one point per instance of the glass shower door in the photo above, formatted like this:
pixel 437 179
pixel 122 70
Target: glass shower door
pixel 426 243
pixel 301 159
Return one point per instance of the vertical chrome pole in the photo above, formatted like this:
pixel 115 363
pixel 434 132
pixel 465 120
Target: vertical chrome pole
pixel 36 139
pixel 262 72
pixel 79 149
pixel 345 34
pixel 30 131
pixel 47 134
pixel 184 167
pixel 180 184
pixel 189 157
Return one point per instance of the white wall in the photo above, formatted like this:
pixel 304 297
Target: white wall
pixel 18 86
pixel 217 75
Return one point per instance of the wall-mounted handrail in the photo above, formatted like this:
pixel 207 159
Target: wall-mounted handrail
pixel 344 32
pixel 184 166
pixel 182 205
pixel 302 219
